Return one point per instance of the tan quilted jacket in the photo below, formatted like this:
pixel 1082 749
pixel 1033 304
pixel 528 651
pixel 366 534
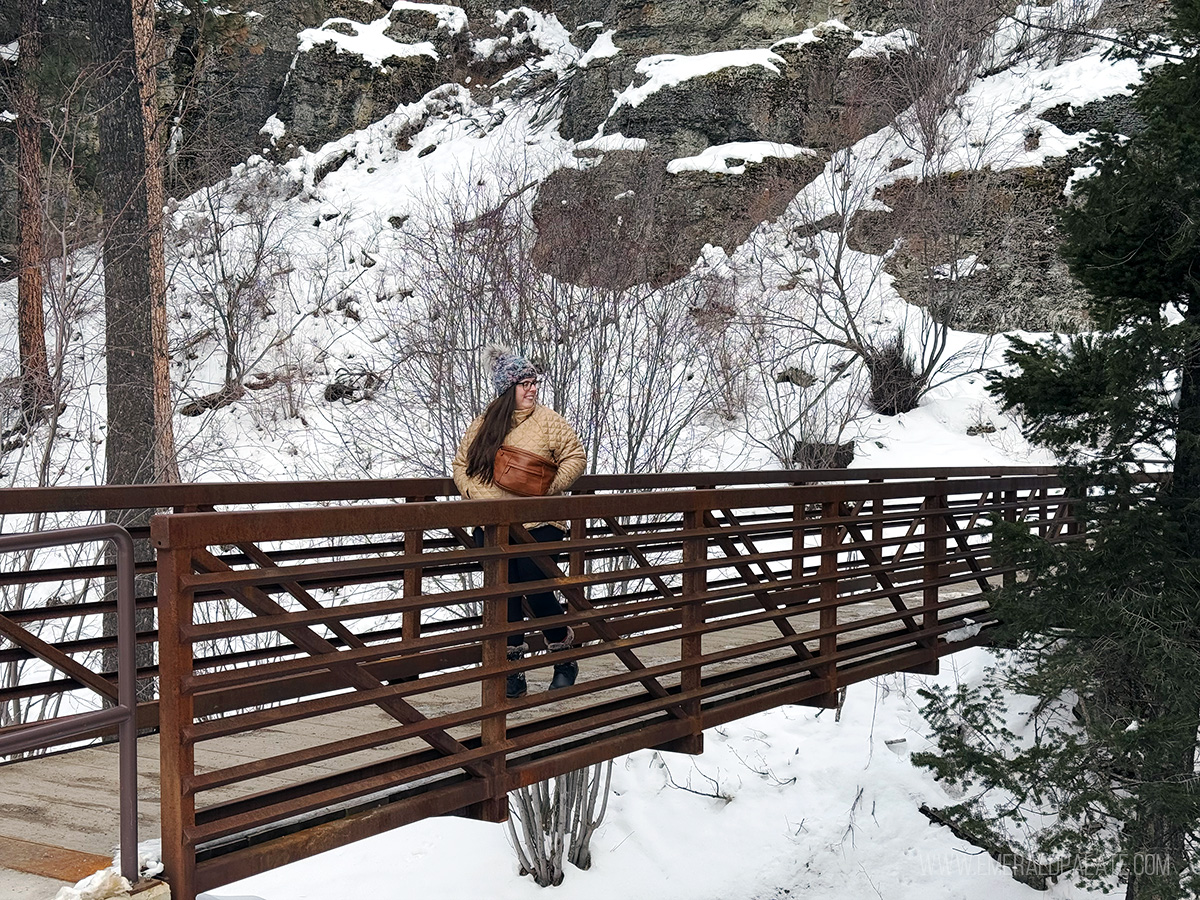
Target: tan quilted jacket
pixel 540 430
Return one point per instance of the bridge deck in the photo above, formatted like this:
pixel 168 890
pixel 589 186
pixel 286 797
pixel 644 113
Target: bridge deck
pixel 81 824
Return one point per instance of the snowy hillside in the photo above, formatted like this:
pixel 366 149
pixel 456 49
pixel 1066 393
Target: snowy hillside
pixel 307 298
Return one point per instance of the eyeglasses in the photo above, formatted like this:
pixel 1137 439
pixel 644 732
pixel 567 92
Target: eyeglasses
pixel 529 383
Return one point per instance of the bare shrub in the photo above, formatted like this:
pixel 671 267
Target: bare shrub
pixel 799 394
pixel 895 381
pixel 1056 32
pixel 243 277
pixel 554 820
pixel 949 41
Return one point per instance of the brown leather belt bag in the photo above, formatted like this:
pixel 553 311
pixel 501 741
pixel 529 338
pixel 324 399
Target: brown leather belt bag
pixel 522 472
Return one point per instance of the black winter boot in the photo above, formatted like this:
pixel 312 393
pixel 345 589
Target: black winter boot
pixel 514 685
pixel 565 673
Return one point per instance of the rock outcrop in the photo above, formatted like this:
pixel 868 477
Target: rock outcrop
pixel 627 220
pixel 319 69
pixel 981 247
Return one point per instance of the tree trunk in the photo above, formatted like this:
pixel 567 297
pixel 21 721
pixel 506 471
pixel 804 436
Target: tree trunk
pixel 1160 849
pixel 1185 483
pixel 138 445
pixel 147 53
pixel 140 437
pixel 31 328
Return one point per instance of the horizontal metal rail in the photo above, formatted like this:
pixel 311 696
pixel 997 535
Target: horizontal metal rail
pixel 21 738
pixel 199 495
pixel 374 635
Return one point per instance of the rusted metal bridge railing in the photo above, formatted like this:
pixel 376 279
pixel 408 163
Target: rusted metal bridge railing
pixel 377 631
pixel 122 714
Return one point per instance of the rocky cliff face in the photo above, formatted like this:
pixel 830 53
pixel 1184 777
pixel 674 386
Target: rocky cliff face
pixel 624 216
pixel 809 94
pixel 320 69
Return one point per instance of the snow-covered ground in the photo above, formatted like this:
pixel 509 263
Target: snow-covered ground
pixel 789 803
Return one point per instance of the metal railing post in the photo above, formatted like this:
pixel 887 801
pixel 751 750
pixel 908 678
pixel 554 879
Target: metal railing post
pixel 494 725
pixel 828 617
pixel 934 551
pixel 695 583
pixel 414 545
pixel 177 713
pixel 1008 579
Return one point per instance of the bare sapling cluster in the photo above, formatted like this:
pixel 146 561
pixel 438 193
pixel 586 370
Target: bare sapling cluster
pixel 1053 33
pixel 553 821
pixel 229 276
pixel 822 316
pixel 842 266
pixel 795 396
pixel 257 295
pixel 619 363
pixel 949 44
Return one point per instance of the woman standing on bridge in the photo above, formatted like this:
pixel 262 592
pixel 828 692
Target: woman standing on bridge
pixel 531 440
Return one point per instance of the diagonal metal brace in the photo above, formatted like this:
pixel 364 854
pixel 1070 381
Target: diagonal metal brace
pixel 579 601
pixel 259 603
pixel 751 578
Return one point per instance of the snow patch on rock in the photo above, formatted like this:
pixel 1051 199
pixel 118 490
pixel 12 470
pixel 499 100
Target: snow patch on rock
pixel 732 159
pixel 875 45
pixel 602 48
pixel 368 41
pixel 671 69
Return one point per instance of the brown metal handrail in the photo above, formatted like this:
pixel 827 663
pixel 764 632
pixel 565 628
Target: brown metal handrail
pixel 201 495
pixel 34 736
pixel 747 582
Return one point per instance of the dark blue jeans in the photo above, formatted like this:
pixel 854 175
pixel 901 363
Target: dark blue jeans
pixel 524 569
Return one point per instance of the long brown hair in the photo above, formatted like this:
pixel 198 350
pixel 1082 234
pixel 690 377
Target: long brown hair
pixel 497 422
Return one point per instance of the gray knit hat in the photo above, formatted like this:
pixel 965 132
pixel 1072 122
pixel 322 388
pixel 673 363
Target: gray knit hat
pixel 507 368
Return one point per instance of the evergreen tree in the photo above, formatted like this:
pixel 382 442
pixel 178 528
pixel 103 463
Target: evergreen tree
pixel 1107 629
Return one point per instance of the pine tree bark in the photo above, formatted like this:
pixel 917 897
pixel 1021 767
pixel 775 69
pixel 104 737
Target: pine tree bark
pixel 31 324
pixel 147 53
pixel 139 444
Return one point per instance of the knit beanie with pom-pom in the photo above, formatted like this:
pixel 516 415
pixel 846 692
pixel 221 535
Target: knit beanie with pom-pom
pixel 507 368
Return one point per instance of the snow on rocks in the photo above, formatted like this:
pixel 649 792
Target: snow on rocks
pixel 874 45
pixel 452 18
pixel 670 69
pixel 371 40
pixel 718 159
pixel 367 40
pixel 609 143
pixel 602 48
pixel 812 35
pixel 273 128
